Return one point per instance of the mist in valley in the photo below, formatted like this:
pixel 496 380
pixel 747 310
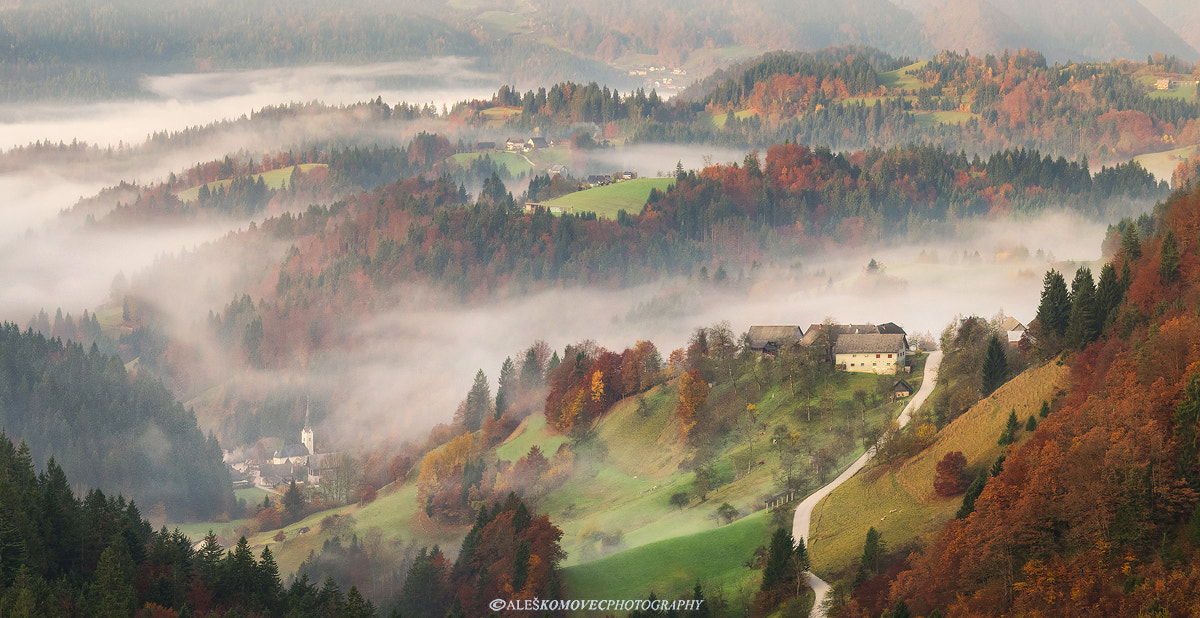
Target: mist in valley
pixel 395 373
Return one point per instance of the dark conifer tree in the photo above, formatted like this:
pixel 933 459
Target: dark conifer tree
pixel 995 366
pixel 973 491
pixel 1054 313
pixel 1084 327
pixel 779 558
pixel 478 402
pixel 293 502
pixel 1109 295
pixel 1168 266
pixel 873 549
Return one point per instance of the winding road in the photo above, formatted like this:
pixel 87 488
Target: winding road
pixel 803 519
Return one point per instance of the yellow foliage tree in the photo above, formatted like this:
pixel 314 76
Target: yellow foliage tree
pixel 597 386
pixel 693 390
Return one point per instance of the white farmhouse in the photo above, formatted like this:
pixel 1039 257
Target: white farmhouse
pixel 871 353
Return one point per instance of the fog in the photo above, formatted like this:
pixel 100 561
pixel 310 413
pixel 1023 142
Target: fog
pixel 653 159
pixel 408 370
pixel 194 99
pixel 400 371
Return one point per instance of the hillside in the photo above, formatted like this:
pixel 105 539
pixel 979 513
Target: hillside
pixel 108 429
pixel 1099 505
pixel 897 498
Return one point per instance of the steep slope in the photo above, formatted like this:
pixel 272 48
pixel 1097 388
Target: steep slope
pixel 1097 511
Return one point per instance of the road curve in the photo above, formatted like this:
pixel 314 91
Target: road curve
pixel 803 519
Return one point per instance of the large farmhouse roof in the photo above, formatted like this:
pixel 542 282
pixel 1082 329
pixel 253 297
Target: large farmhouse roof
pixel 761 336
pixel 869 344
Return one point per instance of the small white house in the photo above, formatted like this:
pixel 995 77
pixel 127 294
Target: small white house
pixel 871 353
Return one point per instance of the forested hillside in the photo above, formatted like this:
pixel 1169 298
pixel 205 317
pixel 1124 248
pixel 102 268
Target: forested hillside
pixel 96 556
pixel 106 429
pixel 1097 510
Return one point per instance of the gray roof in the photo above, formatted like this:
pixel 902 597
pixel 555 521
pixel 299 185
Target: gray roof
pixel 761 336
pixel 869 344
pixel 891 328
pixel 1012 324
pixel 292 450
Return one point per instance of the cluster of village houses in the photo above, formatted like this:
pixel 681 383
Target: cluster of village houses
pixel 300 462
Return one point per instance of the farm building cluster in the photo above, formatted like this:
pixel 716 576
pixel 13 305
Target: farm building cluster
pixel 865 348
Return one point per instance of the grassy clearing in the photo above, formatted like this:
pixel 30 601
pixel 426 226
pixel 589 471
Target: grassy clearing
pixel 532 431
pixel 502 23
pixel 545 157
pixel 903 78
pixel 671 568
pixel 395 513
pixel 1163 164
pixel 274 179
pixel 515 163
pixel 1185 92
pixel 718 120
pixel 933 119
pixel 898 500
pixel 629 195
pixel 253 495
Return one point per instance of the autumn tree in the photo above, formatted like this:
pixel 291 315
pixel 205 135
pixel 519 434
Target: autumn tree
pixel 693 391
pixel 949 479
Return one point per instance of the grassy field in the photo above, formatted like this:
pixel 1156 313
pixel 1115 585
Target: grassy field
pixel 532 431
pixel 898 500
pixel 671 568
pixel 901 79
pixel 515 163
pixel 932 119
pixel 502 23
pixel 718 120
pixel 253 495
pixel 629 196
pixel 1163 164
pixel 274 179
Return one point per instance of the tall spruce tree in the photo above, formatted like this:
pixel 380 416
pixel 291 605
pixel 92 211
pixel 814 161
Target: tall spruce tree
pixel 506 387
pixel 1109 295
pixel 1131 243
pixel 1083 327
pixel 995 366
pixel 478 403
pixel 1168 254
pixel 1053 314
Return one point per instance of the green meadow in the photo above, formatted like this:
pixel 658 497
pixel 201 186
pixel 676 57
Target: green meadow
pixel 274 179
pixel 628 195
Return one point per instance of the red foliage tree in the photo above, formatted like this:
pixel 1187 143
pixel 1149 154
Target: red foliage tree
pixel 949 479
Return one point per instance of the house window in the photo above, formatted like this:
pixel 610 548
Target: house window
pixel 876 356
pixel 889 355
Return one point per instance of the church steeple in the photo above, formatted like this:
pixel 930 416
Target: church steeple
pixel 306 434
